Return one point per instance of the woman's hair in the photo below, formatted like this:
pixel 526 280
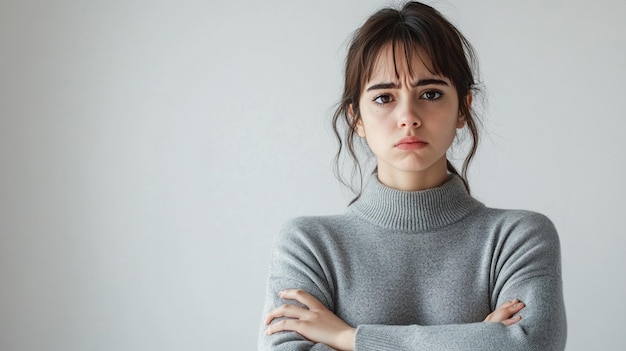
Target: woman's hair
pixel 414 29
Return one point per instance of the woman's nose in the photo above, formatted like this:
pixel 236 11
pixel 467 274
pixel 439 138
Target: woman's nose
pixel 408 118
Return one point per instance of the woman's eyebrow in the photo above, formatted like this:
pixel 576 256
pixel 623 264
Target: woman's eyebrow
pixel 423 82
pixel 380 86
pixel 419 83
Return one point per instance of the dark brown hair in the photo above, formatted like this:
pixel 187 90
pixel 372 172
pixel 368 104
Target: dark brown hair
pixel 413 27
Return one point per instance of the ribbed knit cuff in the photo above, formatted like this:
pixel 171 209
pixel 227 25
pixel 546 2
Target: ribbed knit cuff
pixel 372 338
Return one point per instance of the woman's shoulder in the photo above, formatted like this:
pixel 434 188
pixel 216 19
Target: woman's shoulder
pixel 316 224
pixel 312 232
pixel 520 224
pixel 517 215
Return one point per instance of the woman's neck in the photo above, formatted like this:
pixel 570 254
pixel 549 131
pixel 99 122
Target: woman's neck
pixel 415 211
pixel 410 180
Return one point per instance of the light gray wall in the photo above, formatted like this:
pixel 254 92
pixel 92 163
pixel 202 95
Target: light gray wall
pixel 149 151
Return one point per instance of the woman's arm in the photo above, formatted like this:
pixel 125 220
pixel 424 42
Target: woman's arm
pixel 542 327
pixel 313 321
pixel 318 324
pixel 526 265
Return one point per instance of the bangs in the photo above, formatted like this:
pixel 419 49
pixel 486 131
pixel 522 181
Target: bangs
pixel 403 54
pixel 441 53
pixel 414 29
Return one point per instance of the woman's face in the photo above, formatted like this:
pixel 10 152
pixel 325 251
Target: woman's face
pixel 409 121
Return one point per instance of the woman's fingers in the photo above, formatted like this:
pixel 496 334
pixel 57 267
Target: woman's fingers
pixel 512 320
pixel 314 321
pixel 286 310
pixel 284 325
pixel 506 313
pixel 292 311
pixel 509 303
pixel 303 297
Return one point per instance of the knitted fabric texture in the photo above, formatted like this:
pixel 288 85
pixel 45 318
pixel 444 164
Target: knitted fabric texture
pixel 421 271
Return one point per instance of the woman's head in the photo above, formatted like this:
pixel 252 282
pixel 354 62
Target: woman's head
pixel 413 37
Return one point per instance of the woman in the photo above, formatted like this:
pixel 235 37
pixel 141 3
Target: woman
pixel 415 263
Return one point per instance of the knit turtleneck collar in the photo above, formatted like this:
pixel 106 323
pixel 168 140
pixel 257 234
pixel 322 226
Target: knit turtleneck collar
pixel 414 210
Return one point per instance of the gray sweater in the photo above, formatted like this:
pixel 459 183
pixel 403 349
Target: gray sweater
pixel 421 271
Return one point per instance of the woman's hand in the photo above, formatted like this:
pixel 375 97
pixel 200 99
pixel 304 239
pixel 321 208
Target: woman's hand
pixel 505 313
pixel 317 324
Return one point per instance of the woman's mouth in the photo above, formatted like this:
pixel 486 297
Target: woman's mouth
pixel 410 143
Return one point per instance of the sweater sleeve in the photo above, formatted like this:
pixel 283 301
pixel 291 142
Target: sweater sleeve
pixel 294 264
pixel 526 264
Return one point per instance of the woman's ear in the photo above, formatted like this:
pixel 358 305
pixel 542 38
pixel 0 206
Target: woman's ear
pixel 461 121
pixel 359 123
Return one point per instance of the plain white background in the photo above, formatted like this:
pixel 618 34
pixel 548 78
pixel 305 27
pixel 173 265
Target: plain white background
pixel 149 151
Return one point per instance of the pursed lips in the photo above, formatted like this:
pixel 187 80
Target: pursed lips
pixel 410 140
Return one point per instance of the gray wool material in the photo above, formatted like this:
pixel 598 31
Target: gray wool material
pixel 421 271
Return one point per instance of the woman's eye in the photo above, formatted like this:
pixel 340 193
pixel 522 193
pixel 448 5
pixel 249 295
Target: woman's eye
pixel 383 99
pixel 432 95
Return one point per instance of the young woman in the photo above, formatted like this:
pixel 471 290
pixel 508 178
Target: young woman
pixel 415 263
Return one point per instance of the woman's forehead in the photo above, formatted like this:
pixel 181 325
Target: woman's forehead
pixel 393 62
